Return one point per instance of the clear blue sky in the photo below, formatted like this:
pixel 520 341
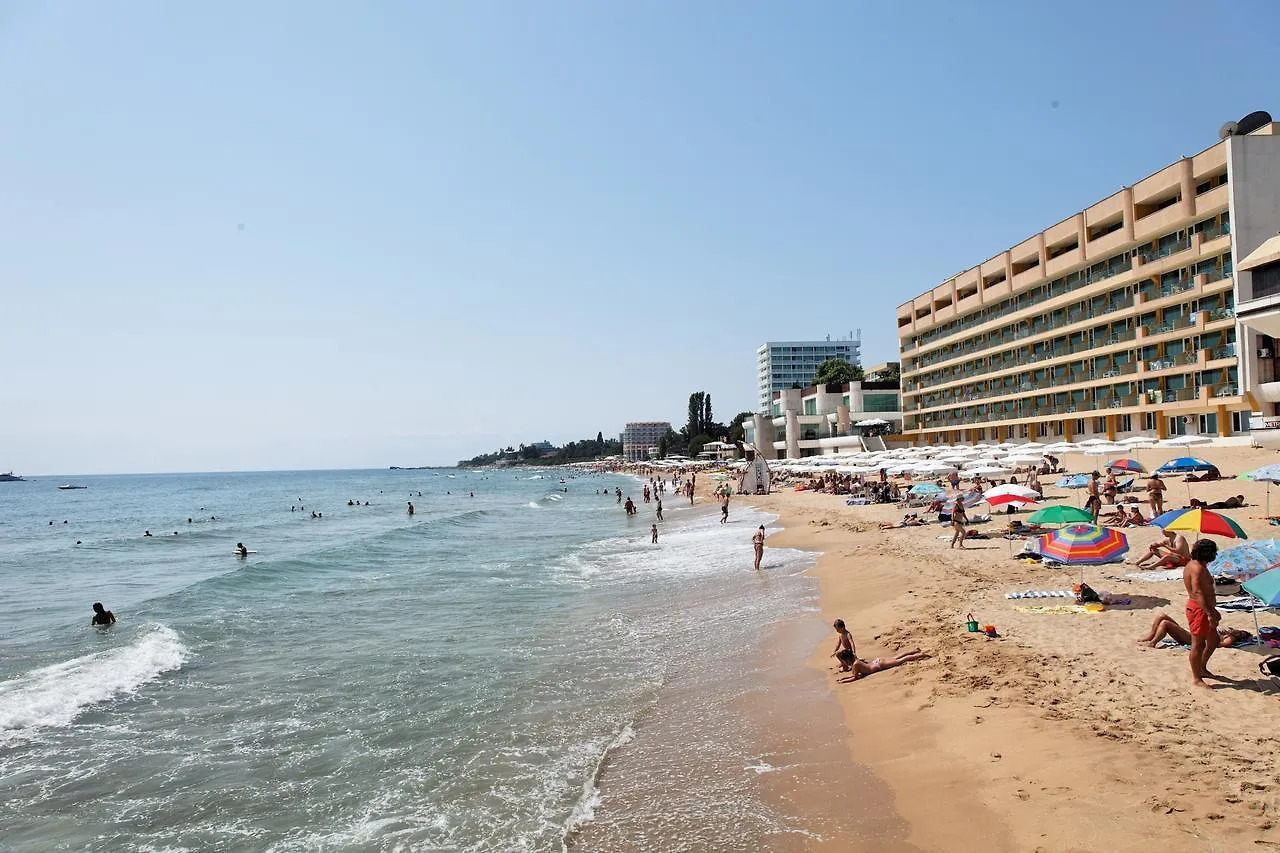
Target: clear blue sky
pixel 330 234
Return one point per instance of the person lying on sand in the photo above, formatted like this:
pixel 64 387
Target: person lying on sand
pixel 1166 626
pixel 908 520
pixel 1207 477
pixel 862 668
pixel 1235 502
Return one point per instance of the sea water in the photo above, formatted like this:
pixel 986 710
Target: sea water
pixel 516 670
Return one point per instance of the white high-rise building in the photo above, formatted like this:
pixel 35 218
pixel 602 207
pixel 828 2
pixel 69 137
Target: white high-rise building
pixel 787 364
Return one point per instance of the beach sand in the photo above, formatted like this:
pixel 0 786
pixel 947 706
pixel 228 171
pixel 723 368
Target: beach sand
pixel 1065 733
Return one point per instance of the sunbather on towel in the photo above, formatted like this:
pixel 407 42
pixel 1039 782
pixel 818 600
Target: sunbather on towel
pixel 1208 476
pixel 863 668
pixel 1166 626
pixel 1230 503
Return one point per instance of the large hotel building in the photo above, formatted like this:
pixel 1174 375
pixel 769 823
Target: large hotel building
pixel 1119 319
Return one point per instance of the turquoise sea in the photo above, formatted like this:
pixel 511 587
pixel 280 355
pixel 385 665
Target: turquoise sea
pixel 518 670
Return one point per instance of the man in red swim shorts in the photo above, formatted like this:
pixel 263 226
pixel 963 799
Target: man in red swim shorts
pixel 1202 611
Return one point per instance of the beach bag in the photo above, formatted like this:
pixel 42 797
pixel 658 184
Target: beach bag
pixel 1086 595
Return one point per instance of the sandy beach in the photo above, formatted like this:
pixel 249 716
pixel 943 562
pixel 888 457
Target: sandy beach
pixel 1065 733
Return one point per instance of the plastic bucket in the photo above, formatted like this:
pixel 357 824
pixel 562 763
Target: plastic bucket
pixel 972 624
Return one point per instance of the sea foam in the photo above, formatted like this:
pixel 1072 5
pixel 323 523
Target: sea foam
pixel 55 695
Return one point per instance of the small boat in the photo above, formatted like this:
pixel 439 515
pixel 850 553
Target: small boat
pixel 10 478
pixel 69 487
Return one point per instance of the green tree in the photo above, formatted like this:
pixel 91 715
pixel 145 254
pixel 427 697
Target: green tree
pixel 662 447
pixel 600 438
pixel 694 425
pixel 706 414
pixel 836 370
pixel 736 430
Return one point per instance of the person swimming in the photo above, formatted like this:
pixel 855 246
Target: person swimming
pixel 241 551
pixel 102 617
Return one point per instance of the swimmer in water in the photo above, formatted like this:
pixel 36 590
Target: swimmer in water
pixel 241 551
pixel 101 616
pixel 411 509
pixel 146 533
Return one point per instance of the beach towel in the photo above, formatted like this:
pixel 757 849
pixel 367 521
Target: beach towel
pixel 1241 604
pixel 1166 575
pixel 1170 643
pixel 1041 593
pixel 1055 608
pixel 857 502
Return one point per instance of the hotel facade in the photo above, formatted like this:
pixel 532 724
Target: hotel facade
pixel 794 364
pixel 825 419
pixel 640 439
pixel 1119 319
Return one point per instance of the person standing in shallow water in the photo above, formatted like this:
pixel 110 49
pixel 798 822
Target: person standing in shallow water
pixel 653 530
pixel 410 508
pixel 757 542
pixel 659 509
pixel 724 509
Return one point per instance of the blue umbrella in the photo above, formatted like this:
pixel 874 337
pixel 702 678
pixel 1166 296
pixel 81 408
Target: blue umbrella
pixel 1074 481
pixel 1265 474
pixel 925 489
pixel 1248 561
pixel 1185 465
pixel 1265 587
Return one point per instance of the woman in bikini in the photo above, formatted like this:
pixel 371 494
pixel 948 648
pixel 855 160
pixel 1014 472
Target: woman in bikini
pixel 861 668
pixel 958 521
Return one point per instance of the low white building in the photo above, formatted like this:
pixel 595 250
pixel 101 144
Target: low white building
pixel 826 419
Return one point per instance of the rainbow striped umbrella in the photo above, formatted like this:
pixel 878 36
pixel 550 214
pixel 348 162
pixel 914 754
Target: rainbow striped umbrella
pixel 1131 465
pixel 1202 521
pixel 1082 544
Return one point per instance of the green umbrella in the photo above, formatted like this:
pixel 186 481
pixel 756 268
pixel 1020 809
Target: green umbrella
pixel 1059 514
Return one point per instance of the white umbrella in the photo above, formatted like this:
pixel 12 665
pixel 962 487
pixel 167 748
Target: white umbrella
pixel 1137 439
pixel 983 445
pixel 1062 447
pixel 1023 460
pixel 872 422
pixel 989 471
pixel 935 468
pixel 1014 490
pixel 1031 445
pixel 1187 440
pixel 1103 450
pixel 1088 442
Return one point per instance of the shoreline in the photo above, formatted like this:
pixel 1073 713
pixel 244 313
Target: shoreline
pixel 1064 734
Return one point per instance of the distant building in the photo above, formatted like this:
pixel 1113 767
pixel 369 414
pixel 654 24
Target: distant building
pixel 640 438
pixel 885 371
pixel 785 364
pixel 826 419
pixel 543 447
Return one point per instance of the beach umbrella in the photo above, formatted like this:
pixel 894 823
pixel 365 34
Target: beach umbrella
pixel 1073 481
pixel 970 499
pixel 1266 474
pixel 1091 442
pixel 1084 544
pixel 1187 440
pixel 1133 466
pixel 1059 514
pixel 1185 465
pixel 1010 494
pixel 1135 440
pixel 925 489
pixel 1203 521
pixel 988 471
pixel 1102 450
pixel 1023 460
pixel 1265 587
pixel 1058 447
pixel 1248 560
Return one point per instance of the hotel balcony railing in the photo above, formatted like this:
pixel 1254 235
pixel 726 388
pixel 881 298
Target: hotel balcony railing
pixel 1222 314
pixel 1228 351
pixel 1037 327
pixel 1165 251
pixel 1215 232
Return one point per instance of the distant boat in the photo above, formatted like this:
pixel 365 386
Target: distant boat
pixel 69 487
pixel 10 478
